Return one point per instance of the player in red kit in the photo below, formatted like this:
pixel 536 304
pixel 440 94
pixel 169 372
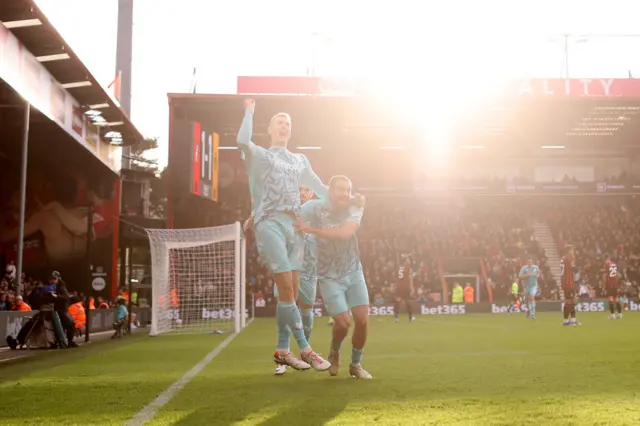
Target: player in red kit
pixel 404 288
pixel 569 287
pixel 611 278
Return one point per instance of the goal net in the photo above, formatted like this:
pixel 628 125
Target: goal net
pixel 198 280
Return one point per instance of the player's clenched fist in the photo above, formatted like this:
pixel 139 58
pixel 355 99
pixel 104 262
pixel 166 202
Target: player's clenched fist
pixel 250 104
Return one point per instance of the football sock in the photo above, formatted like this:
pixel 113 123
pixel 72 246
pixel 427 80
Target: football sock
pixel 288 315
pixel 307 322
pixel 356 355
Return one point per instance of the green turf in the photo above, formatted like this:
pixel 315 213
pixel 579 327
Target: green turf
pixel 440 370
pixel 103 383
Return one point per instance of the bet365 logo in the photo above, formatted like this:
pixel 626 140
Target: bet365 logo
pixel 588 307
pixel 443 310
pixel 221 313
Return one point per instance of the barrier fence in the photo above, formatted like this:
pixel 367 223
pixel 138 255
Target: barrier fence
pixel 464 309
pixel 102 319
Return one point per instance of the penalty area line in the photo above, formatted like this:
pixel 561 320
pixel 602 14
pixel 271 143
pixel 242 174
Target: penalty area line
pixel 148 412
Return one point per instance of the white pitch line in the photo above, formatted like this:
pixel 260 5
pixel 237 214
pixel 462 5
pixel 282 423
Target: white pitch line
pixel 149 411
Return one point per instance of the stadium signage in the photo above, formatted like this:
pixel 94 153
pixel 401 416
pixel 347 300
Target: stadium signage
pixel 583 87
pixel 205 162
pixel 503 309
pixel 443 310
pixel 549 88
pixel 589 306
pixel 20 69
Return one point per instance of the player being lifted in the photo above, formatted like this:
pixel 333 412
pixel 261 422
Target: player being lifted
pixel 340 274
pixel 306 294
pixel 568 286
pixel 529 274
pixel 275 174
pixel 404 288
pixel 611 278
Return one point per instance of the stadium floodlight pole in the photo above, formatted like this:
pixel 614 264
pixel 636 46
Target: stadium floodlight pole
pixel 124 57
pixel 23 192
pixel 88 269
pixel 566 56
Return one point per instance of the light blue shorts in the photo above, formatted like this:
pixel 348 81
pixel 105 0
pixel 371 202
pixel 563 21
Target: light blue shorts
pixel 533 291
pixel 279 245
pixel 307 290
pixel 340 295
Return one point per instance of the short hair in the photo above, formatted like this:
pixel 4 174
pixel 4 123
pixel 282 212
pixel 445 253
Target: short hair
pixel 339 178
pixel 280 114
pixel 568 248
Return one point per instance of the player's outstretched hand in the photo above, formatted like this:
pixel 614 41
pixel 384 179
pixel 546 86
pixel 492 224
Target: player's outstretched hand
pixel 248 225
pixel 300 226
pixel 359 200
pixel 250 104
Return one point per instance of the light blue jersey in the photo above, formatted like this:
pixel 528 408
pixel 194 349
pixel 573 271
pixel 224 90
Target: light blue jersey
pixel 532 281
pixel 275 175
pixel 309 267
pixel 335 258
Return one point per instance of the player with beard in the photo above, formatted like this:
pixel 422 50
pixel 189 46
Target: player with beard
pixel 404 288
pixel 340 276
pixel 568 286
pixel 611 278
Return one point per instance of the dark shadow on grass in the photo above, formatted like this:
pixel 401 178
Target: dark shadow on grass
pixel 46 359
pixel 295 399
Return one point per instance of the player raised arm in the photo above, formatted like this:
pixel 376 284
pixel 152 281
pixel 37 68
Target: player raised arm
pixel 246 130
pixel 310 179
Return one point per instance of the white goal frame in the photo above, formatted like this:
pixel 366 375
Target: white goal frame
pixel 163 240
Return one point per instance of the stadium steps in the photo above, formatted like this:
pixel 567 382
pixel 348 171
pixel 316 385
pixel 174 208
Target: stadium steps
pixel 543 235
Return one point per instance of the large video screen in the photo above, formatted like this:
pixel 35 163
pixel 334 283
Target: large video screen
pixel 205 161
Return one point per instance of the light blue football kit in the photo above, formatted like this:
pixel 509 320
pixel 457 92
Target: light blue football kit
pixel 530 285
pixel 308 284
pixel 340 276
pixel 275 177
pixel 308 277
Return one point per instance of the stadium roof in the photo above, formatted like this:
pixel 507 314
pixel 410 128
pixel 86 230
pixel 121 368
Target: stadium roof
pixel 32 28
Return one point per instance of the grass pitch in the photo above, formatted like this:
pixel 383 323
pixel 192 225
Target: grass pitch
pixel 440 370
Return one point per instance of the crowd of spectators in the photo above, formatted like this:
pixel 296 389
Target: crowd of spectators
pixel 11 299
pixel 496 233
pixel 596 228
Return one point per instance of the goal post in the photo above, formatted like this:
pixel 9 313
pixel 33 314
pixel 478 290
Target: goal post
pixel 198 280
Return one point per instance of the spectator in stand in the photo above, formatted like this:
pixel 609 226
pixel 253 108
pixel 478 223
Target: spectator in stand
pixel 101 303
pixel 11 271
pixel 20 305
pixel 4 302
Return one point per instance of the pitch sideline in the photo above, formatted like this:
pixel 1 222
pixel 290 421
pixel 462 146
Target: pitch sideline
pixel 148 412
